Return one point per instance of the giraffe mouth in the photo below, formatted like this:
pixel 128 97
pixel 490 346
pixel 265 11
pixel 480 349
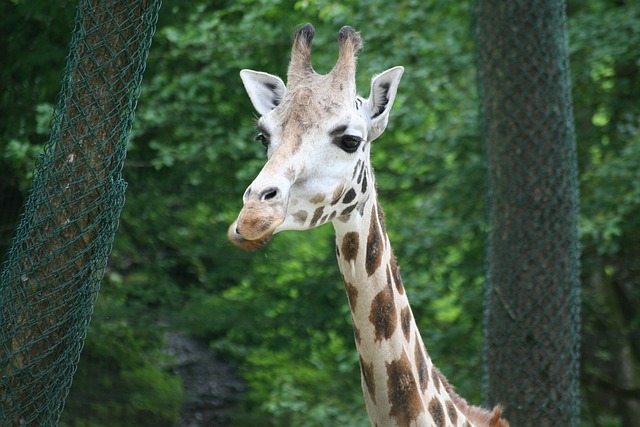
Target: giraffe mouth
pixel 248 245
pixel 255 226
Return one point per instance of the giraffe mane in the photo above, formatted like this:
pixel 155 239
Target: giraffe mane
pixel 479 416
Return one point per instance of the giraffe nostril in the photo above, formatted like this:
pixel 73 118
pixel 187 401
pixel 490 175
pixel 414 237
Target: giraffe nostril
pixel 268 194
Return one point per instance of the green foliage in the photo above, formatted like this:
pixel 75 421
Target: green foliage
pixel 33 47
pixel 286 387
pixel 124 376
pixel 281 313
pixel 605 45
pixel 607 113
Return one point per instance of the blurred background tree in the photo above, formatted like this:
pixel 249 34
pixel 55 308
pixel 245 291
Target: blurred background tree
pixel 279 316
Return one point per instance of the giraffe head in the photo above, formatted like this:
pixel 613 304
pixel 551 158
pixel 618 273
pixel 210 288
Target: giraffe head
pixel 317 133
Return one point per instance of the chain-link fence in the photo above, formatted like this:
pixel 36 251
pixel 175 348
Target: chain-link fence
pixel 532 294
pixel 52 274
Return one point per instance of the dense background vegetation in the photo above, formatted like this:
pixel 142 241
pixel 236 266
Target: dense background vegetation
pixel 280 315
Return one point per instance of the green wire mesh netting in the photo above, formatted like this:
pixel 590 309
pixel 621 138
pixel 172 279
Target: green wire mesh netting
pixel 52 274
pixel 532 312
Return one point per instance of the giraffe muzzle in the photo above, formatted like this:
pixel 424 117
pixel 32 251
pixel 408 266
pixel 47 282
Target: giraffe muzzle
pixel 256 224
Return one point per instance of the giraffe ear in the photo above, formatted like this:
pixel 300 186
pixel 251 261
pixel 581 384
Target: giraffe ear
pixel 383 92
pixel 265 90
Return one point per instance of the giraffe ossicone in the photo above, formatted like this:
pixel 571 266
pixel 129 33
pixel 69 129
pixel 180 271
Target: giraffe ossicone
pixel 317 133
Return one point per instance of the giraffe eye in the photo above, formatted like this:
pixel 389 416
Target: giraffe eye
pixel 264 139
pixel 349 143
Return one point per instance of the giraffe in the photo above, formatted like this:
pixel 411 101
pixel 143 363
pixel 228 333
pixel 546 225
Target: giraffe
pixel 317 133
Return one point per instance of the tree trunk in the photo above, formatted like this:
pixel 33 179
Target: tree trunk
pixel 54 267
pixel 532 291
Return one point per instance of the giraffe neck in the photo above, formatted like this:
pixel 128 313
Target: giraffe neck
pixel 401 386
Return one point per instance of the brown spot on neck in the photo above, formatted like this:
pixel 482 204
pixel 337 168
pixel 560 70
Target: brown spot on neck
pixel 356 332
pixel 383 314
pixel 352 295
pixel 421 365
pixel 405 319
pixel 402 390
pixel 374 245
pixel 435 377
pixel 452 412
pixel 395 271
pixel 437 412
pixel 366 369
pixel 350 244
